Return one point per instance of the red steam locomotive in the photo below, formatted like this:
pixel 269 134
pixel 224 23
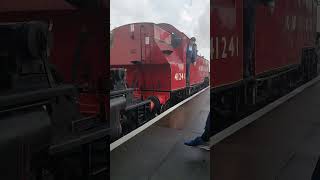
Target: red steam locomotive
pixel 260 49
pixel 157 63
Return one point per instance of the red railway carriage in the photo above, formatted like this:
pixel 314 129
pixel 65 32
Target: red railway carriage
pixel 155 57
pixel 282 30
pixel 226 43
pixel 293 29
pixel 259 48
pixel 199 71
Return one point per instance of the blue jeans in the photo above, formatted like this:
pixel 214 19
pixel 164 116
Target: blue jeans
pixel 208 130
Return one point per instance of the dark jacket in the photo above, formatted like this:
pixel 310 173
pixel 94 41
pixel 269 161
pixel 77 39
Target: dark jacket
pixel 191 55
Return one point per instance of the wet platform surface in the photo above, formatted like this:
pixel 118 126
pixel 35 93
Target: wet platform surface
pixel 284 144
pixel 158 153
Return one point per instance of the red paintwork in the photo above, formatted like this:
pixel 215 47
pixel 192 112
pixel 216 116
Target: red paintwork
pixel 226 22
pixel 276 46
pixel 280 46
pixel 153 71
pixel 199 70
pixel 68 22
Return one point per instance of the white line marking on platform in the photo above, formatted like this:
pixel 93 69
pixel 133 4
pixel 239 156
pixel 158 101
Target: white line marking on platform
pixel 247 120
pixel 152 121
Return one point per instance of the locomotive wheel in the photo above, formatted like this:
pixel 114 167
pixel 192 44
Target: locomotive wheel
pixel 157 106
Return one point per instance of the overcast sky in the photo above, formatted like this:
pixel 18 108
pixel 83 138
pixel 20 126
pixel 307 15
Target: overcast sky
pixel 189 16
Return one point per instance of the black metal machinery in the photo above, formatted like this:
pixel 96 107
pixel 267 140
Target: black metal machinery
pixel 42 135
pixel 127 111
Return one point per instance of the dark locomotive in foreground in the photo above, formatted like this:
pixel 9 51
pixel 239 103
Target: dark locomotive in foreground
pixel 153 66
pixel 128 112
pixel 43 134
pixel 260 52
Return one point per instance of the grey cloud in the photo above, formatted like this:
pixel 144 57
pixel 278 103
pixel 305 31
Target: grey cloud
pixel 177 13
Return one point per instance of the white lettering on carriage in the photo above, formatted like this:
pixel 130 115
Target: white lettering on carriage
pixel 230 47
pixel 179 76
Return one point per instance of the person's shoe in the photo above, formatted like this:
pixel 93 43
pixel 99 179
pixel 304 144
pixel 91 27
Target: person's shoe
pixel 195 142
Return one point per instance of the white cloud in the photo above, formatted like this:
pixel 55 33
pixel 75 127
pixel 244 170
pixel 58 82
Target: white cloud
pixel 185 16
pixel 189 16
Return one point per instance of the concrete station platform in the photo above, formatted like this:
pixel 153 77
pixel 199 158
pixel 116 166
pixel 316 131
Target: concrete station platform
pixel 158 152
pixel 283 144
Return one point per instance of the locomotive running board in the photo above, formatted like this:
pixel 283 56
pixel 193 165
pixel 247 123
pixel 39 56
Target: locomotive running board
pixel 151 122
pixel 256 115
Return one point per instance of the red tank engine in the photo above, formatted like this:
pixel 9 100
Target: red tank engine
pixel 155 57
